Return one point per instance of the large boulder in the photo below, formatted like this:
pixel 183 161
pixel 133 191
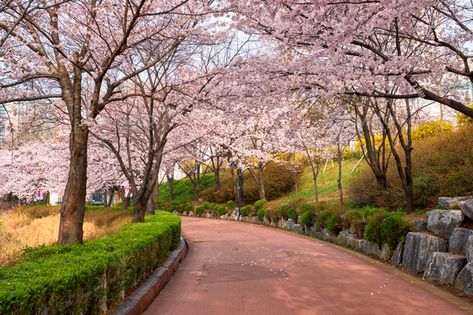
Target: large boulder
pixel 464 280
pixel 418 248
pixel 419 226
pixel 451 202
pixel 370 248
pixel 469 248
pixel 344 236
pixel 443 222
pixel 328 235
pixel 458 240
pixel 385 252
pixel 396 258
pixel 467 208
pixel 444 267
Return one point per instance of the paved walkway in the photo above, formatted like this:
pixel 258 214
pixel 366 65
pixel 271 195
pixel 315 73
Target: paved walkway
pixel 239 268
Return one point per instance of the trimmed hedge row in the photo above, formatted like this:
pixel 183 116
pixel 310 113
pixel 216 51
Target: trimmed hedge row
pixel 87 278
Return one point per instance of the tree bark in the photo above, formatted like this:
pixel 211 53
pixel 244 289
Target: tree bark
pixel 339 180
pixel 140 210
pixel 73 206
pixel 170 183
pixel 261 188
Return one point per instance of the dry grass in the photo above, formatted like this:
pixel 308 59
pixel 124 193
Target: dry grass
pixel 39 225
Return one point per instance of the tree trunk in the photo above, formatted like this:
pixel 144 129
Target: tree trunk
pixel 73 206
pixel 123 198
pixel 339 180
pixel 217 178
pixel 240 195
pixel 170 183
pixel 151 205
pixel 140 209
pixel 262 192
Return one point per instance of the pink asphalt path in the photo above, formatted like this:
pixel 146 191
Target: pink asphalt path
pixel 240 268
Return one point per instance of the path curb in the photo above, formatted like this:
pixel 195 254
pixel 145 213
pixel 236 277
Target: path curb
pixel 144 295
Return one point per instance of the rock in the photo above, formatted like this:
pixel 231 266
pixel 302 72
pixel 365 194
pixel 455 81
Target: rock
pixel 443 222
pixel 464 280
pixel 385 252
pixel 469 248
pixel 467 208
pixel 352 242
pixel 343 237
pixel 282 223
pixel 451 202
pixel 418 248
pixel 191 213
pixel 458 240
pixel 266 221
pixel 175 212
pixel 290 224
pixel 297 228
pixel 369 248
pixel 396 258
pixel 328 235
pixel 444 267
pixel 419 226
pixel 318 235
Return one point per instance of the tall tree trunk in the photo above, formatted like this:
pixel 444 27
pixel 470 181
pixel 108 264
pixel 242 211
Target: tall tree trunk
pixel 240 195
pixel 124 198
pixel 170 183
pixel 73 206
pixel 217 177
pixel 339 180
pixel 262 191
pixel 152 201
pixel 139 211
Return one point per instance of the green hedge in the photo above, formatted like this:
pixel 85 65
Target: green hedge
pixel 79 279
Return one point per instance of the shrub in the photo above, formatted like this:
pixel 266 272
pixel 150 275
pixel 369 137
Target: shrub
pixel 259 204
pixel 374 218
pixel 334 224
pixel 394 228
pixel 307 218
pixel 356 220
pixel 246 210
pixel 67 279
pixel 200 210
pixel 283 212
pixel 230 205
pixel 219 210
pixel 292 214
pixel 261 213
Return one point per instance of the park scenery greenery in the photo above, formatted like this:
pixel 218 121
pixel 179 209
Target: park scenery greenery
pixel 325 114
pixel 91 277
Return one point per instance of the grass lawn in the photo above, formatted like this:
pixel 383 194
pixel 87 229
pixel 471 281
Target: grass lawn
pixel 184 190
pixel 327 183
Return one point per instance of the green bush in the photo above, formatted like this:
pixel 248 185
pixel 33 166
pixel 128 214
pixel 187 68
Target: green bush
pixel 283 212
pixel 394 228
pixel 261 213
pixel 219 210
pixel 259 204
pixel 67 279
pixel 230 205
pixel 334 224
pixel 292 214
pixel 307 218
pixel 246 210
pixel 199 211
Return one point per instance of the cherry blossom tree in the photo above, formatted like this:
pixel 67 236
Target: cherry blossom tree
pixel 81 52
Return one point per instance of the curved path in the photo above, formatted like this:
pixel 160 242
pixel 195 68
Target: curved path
pixel 240 268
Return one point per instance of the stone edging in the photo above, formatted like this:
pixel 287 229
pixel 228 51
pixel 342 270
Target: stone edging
pixel 145 294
